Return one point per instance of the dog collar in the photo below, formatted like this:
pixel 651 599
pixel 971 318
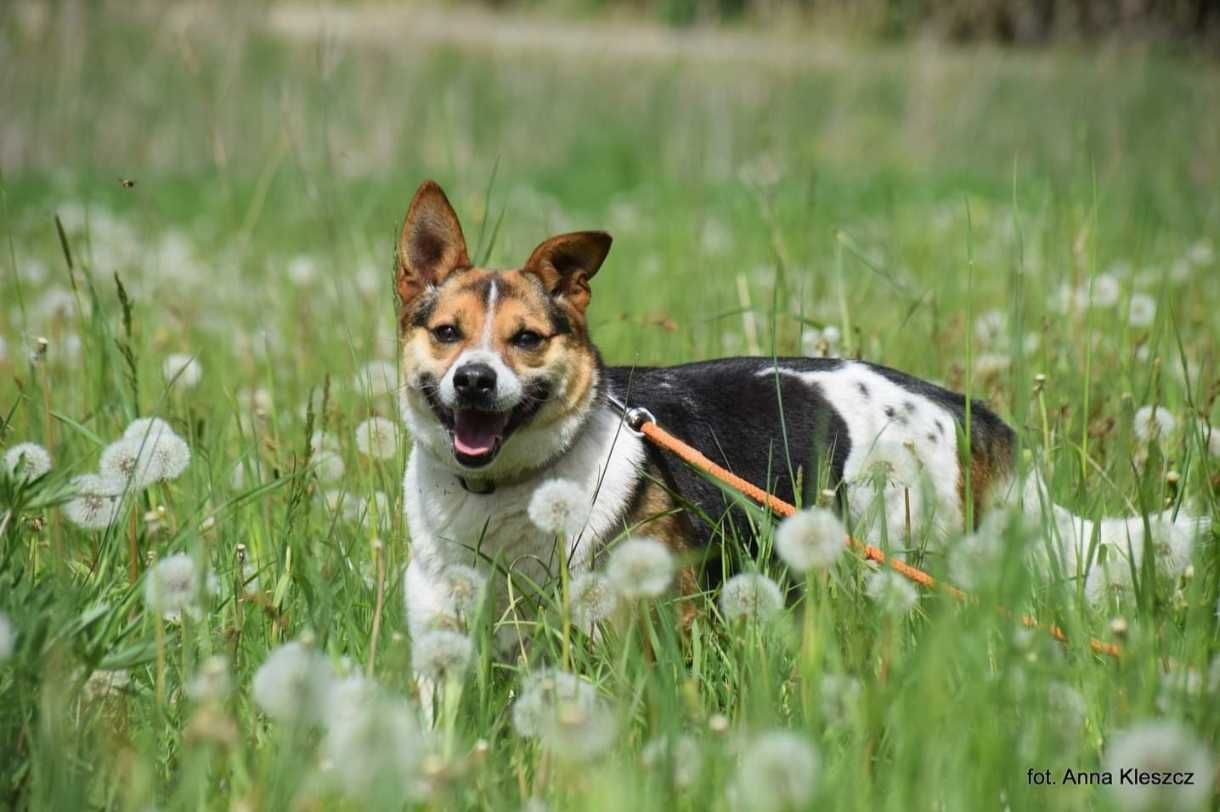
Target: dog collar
pixel 480 487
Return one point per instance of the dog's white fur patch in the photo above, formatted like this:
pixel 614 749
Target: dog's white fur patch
pixel 449 525
pixel 902 445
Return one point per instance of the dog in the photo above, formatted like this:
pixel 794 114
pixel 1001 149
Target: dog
pixel 503 390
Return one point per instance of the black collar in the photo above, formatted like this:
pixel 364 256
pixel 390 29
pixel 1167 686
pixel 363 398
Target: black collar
pixel 480 487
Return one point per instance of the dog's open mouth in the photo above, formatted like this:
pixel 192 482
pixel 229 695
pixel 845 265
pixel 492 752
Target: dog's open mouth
pixel 477 436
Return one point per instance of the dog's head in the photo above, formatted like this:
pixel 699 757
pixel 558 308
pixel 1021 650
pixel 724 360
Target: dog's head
pixel 498 370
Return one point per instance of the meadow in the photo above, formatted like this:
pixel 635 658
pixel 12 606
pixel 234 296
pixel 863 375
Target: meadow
pixel 197 218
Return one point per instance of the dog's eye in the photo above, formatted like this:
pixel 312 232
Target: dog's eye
pixel 526 340
pixel 446 334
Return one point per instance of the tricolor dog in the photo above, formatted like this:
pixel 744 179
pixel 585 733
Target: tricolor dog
pixel 503 390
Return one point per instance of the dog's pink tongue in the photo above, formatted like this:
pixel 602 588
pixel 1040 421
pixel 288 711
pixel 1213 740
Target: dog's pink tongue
pixel 475 433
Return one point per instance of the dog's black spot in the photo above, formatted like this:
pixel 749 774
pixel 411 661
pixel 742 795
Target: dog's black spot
pixel 940 427
pixel 909 405
pixel 863 389
pixel 890 412
pixel 423 311
pixel 560 324
pixel 932 437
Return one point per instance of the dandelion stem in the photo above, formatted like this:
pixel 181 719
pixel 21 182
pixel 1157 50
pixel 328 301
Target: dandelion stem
pixel 379 557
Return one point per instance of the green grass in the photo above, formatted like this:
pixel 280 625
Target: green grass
pixel 899 194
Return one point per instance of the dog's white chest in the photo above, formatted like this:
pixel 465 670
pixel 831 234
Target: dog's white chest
pixel 450 525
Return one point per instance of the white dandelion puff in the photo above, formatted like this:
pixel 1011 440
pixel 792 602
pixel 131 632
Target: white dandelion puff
pixel 991 364
pixel 377 437
pixel 840 697
pixel 212 682
pixel 166 452
pixel 1141 310
pixel 98 501
pixel 182 370
pixel 542 693
pixel 27 461
pixel 812 539
pixel 1213 440
pixel 442 654
pixel 376 378
pixel 750 596
pixel 8 638
pixel 102 683
pixel 377 746
pixel 778 770
pixel 891 592
pixel 246 473
pixel 640 568
pixel 172 587
pixel 1106 290
pixel 1159 747
pixel 302 270
pixel 257 401
pixel 130 460
pixel 991 327
pixel 464 587
pixel 578 732
pixel 347 696
pixel 293 683
pixel 1068 707
pixel 328 466
pixel 321 441
pixel 560 507
pixel 681 754
pixel 1153 423
pixel 1201 253
pixel 976 559
pixel 593 599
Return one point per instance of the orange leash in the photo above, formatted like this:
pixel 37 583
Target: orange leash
pixel 642 421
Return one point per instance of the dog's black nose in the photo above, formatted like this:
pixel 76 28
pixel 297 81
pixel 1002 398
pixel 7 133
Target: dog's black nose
pixel 475 382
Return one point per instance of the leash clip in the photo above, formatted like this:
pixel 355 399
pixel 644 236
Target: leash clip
pixel 634 417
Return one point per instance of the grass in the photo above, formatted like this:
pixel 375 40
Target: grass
pixel 904 195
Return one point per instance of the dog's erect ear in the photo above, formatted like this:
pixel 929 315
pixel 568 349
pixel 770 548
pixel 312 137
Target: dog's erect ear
pixel 566 263
pixel 431 245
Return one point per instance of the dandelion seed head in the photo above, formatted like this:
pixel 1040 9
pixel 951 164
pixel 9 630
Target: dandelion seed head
pixel 640 568
pixel 891 592
pixel 130 460
pixel 975 560
pixel 811 539
pixel 464 586
pixel 245 473
pixel 1141 310
pixel 991 327
pixel 778 770
pixel 321 441
pixel 750 596
pixel 441 654
pixel 293 683
pixel 27 461
pixel 1153 423
pixel 542 693
pixel 593 599
pixel 328 466
pixel 212 682
pixel 1201 253
pixel 98 501
pixel 377 437
pixel 1106 291
pixel 182 370
pixel 1160 746
pixel 376 747
pixel 560 507
pixel 1067 707
pixel 840 697
pixel 172 586
pixel 681 753
pixel 103 683
pixel 578 732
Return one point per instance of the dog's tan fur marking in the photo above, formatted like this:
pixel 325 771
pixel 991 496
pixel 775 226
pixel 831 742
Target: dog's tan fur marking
pixel 655 514
pixel 990 466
